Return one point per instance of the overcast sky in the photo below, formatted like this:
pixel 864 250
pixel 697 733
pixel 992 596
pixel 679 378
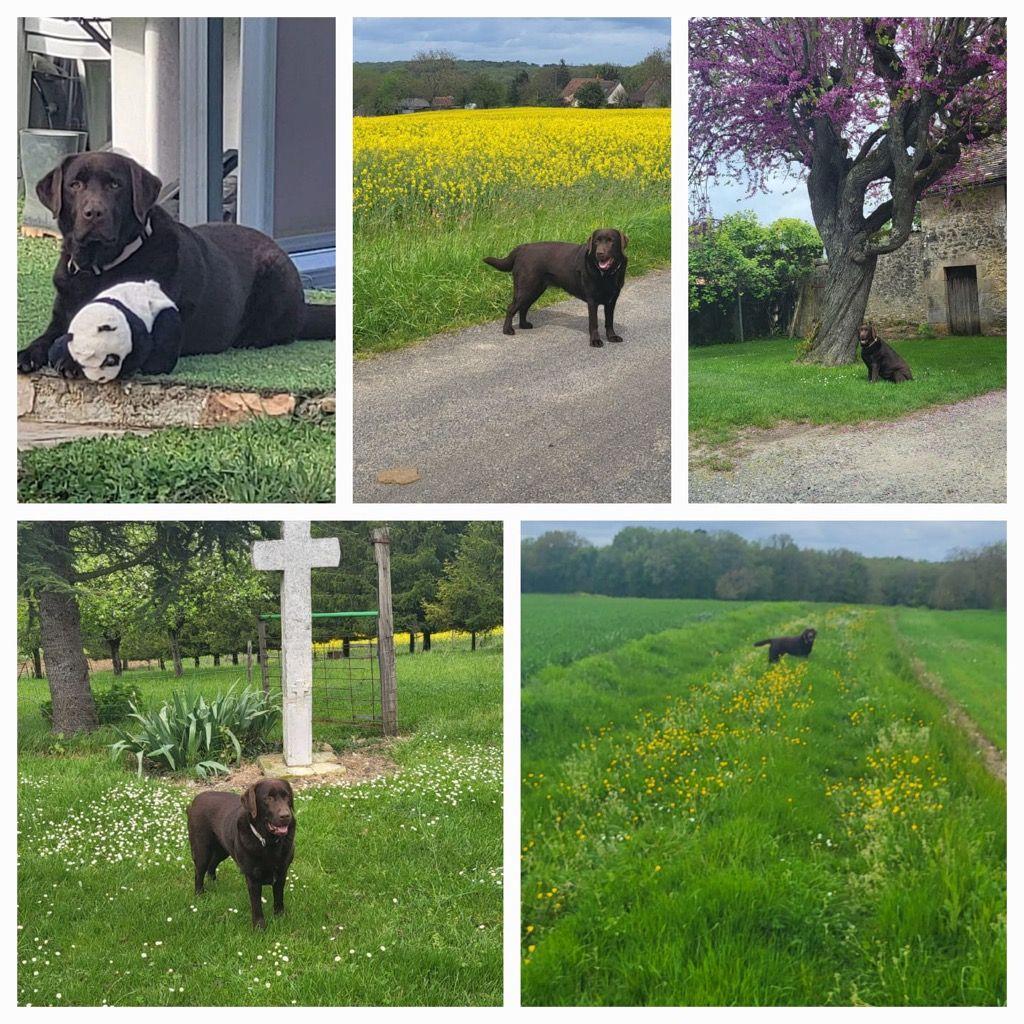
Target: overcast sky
pixel 620 41
pixel 932 541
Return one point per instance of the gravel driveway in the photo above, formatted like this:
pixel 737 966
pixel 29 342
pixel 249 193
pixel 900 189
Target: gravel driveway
pixel 475 416
pixel 952 453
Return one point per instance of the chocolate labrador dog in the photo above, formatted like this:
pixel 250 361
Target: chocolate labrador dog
pixel 258 831
pixel 799 645
pixel 594 272
pixel 233 287
pixel 882 360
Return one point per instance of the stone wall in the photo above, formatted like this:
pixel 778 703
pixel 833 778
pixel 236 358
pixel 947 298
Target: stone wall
pixel 909 288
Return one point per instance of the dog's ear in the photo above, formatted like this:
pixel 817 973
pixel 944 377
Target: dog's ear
pixel 625 240
pixel 590 242
pixel 51 188
pixel 249 801
pixel 291 795
pixel 145 189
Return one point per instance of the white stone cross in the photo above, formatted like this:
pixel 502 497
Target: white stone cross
pixel 296 554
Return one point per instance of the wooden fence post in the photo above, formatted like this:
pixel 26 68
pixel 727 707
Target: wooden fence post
pixel 385 633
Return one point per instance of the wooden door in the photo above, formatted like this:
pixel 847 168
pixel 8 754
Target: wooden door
pixel 962 300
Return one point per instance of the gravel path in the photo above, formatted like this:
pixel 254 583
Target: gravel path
pixel 475 416
pixel 953 453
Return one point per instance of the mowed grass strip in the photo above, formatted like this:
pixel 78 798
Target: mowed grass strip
pixel 715 831
pixel 435 194
pixel 394 897
pixel 760 384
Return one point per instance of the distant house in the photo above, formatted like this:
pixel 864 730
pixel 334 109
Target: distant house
pixel 413 105
pixel 655 92
pixel 614 92
pixel 442 103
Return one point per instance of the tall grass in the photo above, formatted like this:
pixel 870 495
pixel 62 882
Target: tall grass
pixel 700 828
pixel 759 384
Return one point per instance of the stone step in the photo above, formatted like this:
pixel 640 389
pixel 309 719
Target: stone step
pixel 52 409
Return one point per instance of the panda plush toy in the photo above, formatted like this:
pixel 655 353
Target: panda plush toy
pixel 130 327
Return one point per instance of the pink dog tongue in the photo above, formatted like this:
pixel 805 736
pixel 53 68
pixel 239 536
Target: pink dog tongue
pixel 605 264
pixel 279 830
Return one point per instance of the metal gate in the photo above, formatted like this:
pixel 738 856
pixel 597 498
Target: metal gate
pixel 962 300
pixel 346 670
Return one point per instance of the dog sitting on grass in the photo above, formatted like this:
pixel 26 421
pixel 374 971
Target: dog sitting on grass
pixel 799 645
pixel 881 360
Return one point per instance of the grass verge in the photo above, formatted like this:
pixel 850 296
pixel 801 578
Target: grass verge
pixel 417 276
pixel 700 828
pixel 262 460
pixel 394 898
pixel 759 384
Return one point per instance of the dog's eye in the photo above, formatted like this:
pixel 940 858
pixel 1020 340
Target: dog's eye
pixel 113 184
pixel 75 186
pixel 111 360
pixel 106 327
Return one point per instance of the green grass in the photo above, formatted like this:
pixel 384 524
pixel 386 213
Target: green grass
pixel 701 829
pixel 306 367
pixel 414 278
pixel 561 628
pixel 261 460
pixel 759 384
pixel 967 651
pixel 394 898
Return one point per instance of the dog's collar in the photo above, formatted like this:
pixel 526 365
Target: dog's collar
pixel 263 841
pixel 129 250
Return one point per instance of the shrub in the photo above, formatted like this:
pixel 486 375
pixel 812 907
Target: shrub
pixel 113 705
pixel 190 733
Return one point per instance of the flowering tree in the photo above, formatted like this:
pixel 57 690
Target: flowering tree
pixel 871 111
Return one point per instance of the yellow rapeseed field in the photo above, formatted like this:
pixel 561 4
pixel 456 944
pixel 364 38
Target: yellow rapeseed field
pixel 449 162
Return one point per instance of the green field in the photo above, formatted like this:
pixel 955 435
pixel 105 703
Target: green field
pixel 701 829
pixel 759 384
pixel 394 897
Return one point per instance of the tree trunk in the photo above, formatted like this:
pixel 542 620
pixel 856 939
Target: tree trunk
pixel 346 647
pixel 115 654
pixel 163 665
pixel 67 671
pixel 216 661
pixel 176 654
pixel 426 640
pixel 234 657
pixel 412 642
pixel 842 310
pixel 37 663
pixel 472 644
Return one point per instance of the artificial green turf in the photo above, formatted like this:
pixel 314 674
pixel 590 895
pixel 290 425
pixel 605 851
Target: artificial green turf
pixel 701 828
pixel 394 896
pixel 413 278
pixel 262 460
pixel 760 384
pixel 305 367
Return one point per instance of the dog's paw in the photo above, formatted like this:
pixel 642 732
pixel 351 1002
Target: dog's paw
pixel 507 330
pixel 525 325
pixel 614 337
pixel 29 361
pixel 596 343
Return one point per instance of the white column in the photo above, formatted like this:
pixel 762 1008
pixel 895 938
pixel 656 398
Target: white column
pixel 296 555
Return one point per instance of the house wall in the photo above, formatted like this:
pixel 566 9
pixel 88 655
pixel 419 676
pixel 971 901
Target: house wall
pixel 910 284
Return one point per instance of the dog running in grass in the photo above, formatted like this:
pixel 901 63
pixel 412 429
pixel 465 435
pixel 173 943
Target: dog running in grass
pixel 779 645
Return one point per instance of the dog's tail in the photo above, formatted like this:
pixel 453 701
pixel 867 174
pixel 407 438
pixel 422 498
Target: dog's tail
pixel 317 324
pixel 505 264
pixel 761 643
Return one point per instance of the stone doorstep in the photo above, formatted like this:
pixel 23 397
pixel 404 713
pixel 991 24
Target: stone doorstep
pixel 323 764
pixel 49 405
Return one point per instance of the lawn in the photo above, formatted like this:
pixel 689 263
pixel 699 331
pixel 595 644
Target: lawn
pixel 702 829
pixel 287 461
pixel 760 384
pixel 434 194
pixel 394 898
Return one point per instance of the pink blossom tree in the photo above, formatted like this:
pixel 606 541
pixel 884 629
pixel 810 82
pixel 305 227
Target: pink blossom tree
pixel 872 112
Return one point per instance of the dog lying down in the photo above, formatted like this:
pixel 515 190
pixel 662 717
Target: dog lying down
pixel 130 327
pixel 799 645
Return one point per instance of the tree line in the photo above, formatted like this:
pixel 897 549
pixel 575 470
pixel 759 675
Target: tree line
pixel 678 563
pixel 173 590
pixel 379 88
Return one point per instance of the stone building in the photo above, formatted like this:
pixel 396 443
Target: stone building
pixel 950 275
